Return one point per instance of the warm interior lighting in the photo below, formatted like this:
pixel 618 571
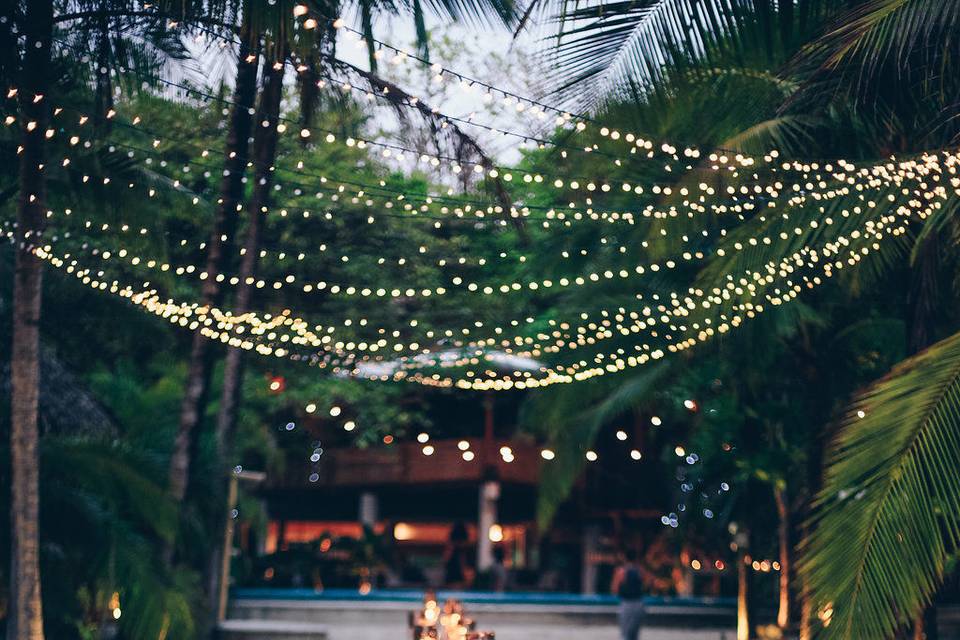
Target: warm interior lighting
pixel 402 531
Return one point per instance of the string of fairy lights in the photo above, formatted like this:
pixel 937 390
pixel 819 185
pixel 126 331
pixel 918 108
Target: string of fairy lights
pixel 349 289
pixel 462 208
pixel 552 376
pixel 581 338
pixel 486 209
pixel 280 334
pixel 472 286
pixel 440 75
pixel 488 290
pixel 260 284
pixel 574 184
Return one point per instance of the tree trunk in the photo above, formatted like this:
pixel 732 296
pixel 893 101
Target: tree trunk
pixel 264 155
pixel 806 603
pixel 743 614
pixel 783 539
pixel 25 614
pixel 806 617
pixel 224 222
pixel 923 296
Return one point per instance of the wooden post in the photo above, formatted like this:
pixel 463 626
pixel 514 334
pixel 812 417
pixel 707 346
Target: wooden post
pixel 743 618
pixel 227 554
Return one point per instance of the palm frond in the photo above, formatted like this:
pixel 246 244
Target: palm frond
pixel 888 515
pixel 611 49
pixel 882 31
pixel 781 132
pixel 609 44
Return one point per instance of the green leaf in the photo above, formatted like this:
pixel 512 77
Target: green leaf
pixel 888 516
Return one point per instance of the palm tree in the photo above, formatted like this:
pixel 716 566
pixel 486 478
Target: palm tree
pixel 25 618
pixel 236 155
pixel 884 69
pixel 886 525
pixel 34 84
pixel 264 157
pixel 312 47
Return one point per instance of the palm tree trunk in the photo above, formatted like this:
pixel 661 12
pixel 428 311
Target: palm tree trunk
pixel 743 614
pixel 806 617
pixel 224 222
pixel 265 153
pixel 264 156
pixel 783 539
pixel 25 614
pixel 806 602
pixel 923 296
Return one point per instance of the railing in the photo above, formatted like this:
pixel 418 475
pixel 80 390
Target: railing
pixel 405 463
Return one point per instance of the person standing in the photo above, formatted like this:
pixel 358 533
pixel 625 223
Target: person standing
pixel 628 586
pixel 498 572
pixel 455 564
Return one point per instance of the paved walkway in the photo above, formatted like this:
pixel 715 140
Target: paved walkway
pixel 385 620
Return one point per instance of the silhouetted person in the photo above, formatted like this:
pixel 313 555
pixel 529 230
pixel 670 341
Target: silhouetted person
pixel 498 571
pixel 455 558
pixel 628 585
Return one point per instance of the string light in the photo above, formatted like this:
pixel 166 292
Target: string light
pixel 580 281
pixel 812 186
pixel 589 185
pixel 519 104
pixel 774 300
pixel 462 208
pixel 532 383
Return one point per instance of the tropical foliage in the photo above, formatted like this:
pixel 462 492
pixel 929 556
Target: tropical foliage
pixel 782 409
